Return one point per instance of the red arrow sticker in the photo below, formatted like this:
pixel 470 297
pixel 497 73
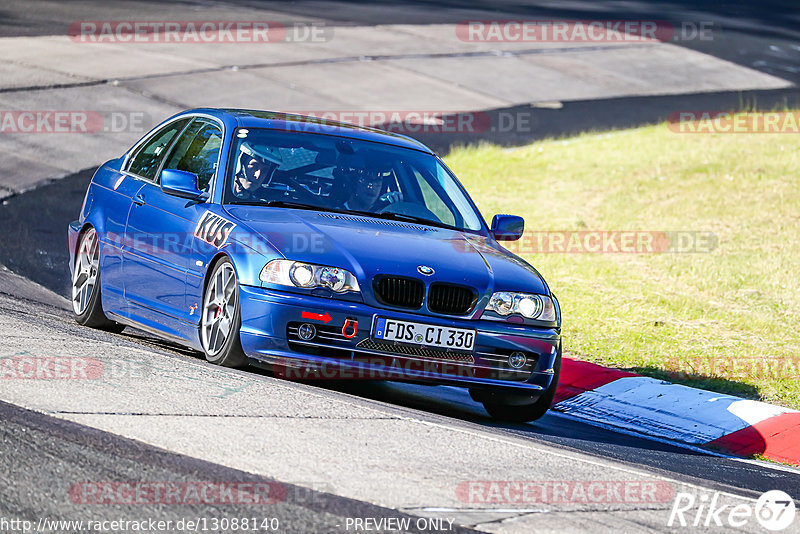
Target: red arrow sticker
pixel 316 316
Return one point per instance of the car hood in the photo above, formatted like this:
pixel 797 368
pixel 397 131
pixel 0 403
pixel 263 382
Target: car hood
pixel 368 247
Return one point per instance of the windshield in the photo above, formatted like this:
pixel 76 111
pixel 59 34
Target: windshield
pixel 306 170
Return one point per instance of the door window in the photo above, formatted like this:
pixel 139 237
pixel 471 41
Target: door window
pixel 197 151
pixel 147 158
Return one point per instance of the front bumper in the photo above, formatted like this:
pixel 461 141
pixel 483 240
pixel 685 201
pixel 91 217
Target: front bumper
pixel 343 347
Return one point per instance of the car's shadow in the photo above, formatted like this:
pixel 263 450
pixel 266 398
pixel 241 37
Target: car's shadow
pixel 456 403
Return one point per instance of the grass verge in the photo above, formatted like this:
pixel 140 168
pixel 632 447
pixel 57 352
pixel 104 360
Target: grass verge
pixel 725 318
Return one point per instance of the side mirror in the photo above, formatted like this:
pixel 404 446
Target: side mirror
pixel 180 183
pixel 507 227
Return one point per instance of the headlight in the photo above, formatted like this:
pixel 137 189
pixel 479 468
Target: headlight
pixel 301 274
pixel 298 274
pixel 539 307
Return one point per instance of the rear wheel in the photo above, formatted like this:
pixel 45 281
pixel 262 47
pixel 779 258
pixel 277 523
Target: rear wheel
pixel 221 320
pixel 527 412
pixel 87 304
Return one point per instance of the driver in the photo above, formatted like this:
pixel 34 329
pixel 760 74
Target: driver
pixel 365 183
pixel 254 169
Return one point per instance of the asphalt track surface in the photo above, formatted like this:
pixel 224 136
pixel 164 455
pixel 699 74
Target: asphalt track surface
pixel 39 450
pixel 750 31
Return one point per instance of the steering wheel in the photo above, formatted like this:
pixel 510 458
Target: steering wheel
pixel 300 193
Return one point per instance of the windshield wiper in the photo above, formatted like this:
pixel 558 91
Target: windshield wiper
pixel 297 205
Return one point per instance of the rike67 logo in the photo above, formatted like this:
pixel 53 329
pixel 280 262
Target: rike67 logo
pixel 774 511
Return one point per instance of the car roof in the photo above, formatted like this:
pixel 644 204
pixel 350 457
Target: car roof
pixel 274 120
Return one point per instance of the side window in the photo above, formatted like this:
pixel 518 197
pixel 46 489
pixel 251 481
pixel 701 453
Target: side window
pixel 148 157
pixel 197 151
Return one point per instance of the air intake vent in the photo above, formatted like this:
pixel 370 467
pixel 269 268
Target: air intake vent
pixel 451 299
pixel 382 222
pixel 412 350
pixel 399 292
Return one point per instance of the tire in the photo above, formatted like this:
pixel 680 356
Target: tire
pixel 527 412
pixel 220 319
pixel 87 303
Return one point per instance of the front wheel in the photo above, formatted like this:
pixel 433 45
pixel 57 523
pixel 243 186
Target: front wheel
pixel 221 319
pixel 87 303
pixel 527 412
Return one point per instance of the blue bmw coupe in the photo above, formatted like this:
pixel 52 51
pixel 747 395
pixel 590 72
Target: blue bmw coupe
pixel 318 249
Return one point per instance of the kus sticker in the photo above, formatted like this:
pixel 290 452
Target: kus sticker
pixel 213 229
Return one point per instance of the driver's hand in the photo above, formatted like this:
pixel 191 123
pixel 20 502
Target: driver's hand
pixel 392 197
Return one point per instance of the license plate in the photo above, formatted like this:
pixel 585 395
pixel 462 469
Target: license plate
pixel 424 334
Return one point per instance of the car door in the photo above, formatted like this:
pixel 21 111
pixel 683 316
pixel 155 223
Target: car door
pixel 117 199
pixel 161 229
